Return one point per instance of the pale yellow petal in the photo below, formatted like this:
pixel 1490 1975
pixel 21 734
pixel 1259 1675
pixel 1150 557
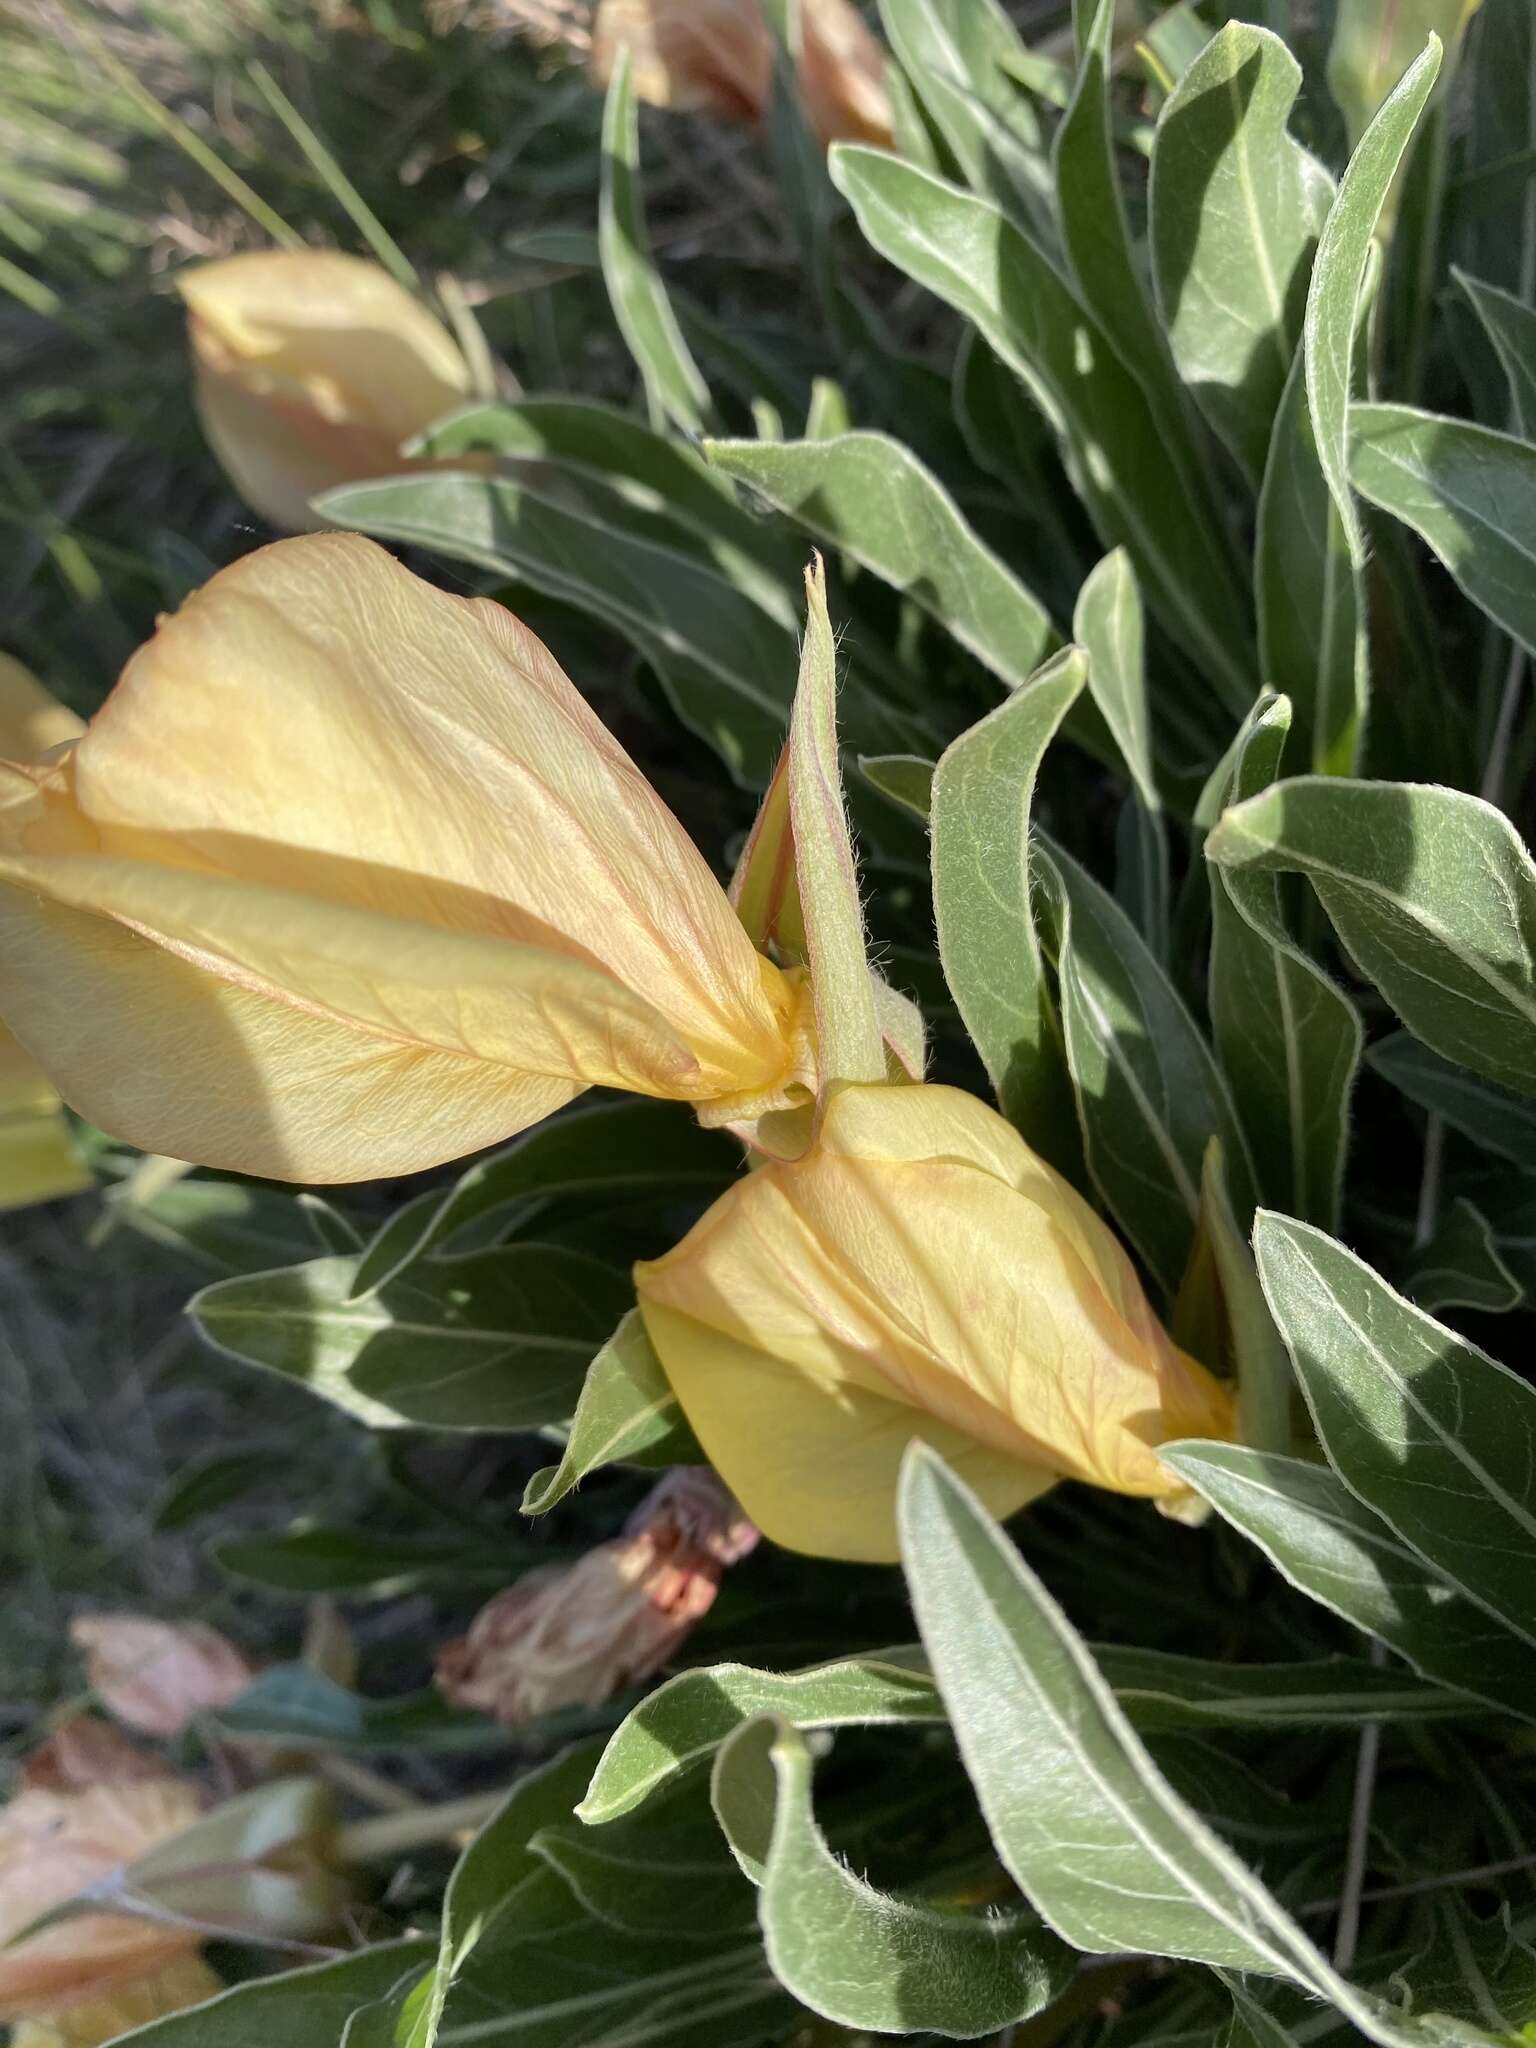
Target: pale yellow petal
pixel 39 1160
pixel 814 1461
pixel 31 719
pixel 336 330
pixel 186 1982
pixel 159 1054
pixel 432 749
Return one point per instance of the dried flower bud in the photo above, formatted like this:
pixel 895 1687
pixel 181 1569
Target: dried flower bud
pixel 156 1675
pixel 573 1635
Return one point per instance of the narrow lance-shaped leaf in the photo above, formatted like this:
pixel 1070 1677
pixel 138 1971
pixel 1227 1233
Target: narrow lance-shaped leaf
pixel 1332 1548
pixel 865 1958
pixel 1288 1040
pixel 305 2008
pixel 869 497
pixel 1511 327
pixel 1120 452
pixel 957 54
pixel 849 1042
pixel 1433 1434
pixel 1432 894
pixel 1462 1266
pixel 687 1718
pixel 627 1415
pixel 1236 205
pixel 1097 236
pixel 1149 1096
pixel 1092 1832
pixel 1264 1379
pixel 673 384
pixel 492 1340
pixel 1468 491
pixel 1309 591
pixel 982 791
pixel 1493 1118
pixel 1339 273
pixel 1374 41
pixel 1109 627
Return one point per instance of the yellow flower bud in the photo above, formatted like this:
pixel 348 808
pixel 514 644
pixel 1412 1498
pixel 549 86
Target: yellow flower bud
pixel 346 879
pixel 918 1274
pixel 312 368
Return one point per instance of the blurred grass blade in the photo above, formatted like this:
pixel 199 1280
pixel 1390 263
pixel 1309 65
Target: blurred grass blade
pixel 1427 1430
pixel 340 186
pixel 672 379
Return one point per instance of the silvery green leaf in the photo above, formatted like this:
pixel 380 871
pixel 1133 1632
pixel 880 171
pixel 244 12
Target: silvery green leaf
pixel 305 2008
pixel 1511 327
pixel 869 497
pixel 626 1414
pixel 1088 1827
pixel 956 55
pixel 867 1958
pixel 1468 491
pixel 1287 1037
pixel 687 1718
pixel 1119 449
pixel 1149 1095
pixel 1430 1432
pixel 1109 627
pixel 621 1150
pixel 1236 208
pixel 1462 1267
pixel 1431 892
pixel 1333 1549
pixel 492 1340
pixel 1491 1116
pixel 982 791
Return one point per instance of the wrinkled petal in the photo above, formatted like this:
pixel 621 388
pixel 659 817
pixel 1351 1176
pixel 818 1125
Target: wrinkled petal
pixel 919 1273
pixel 346 879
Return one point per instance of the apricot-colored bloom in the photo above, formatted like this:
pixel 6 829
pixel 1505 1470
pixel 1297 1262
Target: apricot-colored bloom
pixel 346 879
pixel 87 1803
pixel 156 1676
pixel 919 1273
pixel 38 1159
pixel 573 1635
pixel 718 56
pixel 312 368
